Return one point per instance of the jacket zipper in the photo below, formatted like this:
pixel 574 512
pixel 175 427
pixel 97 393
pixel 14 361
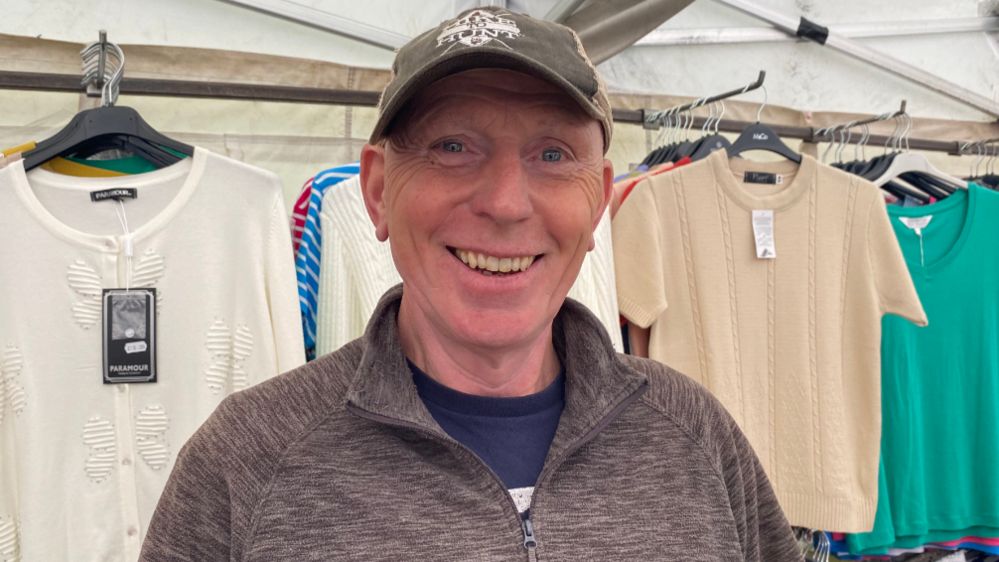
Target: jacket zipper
pixel 526 525
pixel 529 541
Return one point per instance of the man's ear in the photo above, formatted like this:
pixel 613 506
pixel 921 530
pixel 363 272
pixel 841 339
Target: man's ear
pixel 607 191
pixel 373 188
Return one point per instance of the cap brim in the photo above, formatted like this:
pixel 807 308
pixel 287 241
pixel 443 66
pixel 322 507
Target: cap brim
pixel 470 59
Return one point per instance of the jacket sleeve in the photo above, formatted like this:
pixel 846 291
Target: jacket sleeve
pixel 192 519
pixel 764 533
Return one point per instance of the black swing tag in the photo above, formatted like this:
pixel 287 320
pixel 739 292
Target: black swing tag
pixel 129 335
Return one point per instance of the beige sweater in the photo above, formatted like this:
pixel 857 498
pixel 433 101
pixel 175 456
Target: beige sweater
pixel 791 346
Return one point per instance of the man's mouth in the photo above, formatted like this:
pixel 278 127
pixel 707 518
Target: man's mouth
pixel 493 265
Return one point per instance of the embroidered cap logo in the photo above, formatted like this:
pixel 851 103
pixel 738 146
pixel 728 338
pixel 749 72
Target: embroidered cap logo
pixel 478 28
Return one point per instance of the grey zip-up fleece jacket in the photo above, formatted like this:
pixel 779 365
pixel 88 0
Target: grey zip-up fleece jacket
pixel 340 460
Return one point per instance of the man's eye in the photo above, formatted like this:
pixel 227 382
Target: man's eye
pixel 551 155
pixel 452 146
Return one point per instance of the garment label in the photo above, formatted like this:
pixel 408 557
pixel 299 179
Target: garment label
pixel 763 229
pixel 916 224
pixel 117 194
pixel 762 177
pixel 129 335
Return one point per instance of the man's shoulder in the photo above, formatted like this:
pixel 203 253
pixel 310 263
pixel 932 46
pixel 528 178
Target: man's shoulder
pixel 265 419
pixel 684 403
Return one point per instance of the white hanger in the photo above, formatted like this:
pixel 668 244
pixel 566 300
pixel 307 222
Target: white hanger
pixel 911 162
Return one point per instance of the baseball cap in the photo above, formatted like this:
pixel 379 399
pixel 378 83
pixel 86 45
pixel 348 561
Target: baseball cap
pixel 493 37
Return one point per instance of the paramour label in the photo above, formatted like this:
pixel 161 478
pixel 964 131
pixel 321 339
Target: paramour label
pixel 763 230
pixel 117 194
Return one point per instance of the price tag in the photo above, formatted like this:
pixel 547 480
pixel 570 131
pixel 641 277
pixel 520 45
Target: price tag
pixel 763 229
pixel 129 331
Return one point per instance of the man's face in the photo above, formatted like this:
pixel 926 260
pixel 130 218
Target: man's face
pixel 489 194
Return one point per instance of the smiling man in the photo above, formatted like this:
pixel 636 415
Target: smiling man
pixel 483 416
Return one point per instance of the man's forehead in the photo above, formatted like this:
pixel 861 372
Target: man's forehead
pixel 489 86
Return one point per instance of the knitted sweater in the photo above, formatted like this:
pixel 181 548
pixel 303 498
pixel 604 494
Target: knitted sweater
pixel 340 460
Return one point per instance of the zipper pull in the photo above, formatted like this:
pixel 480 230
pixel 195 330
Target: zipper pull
pixel 529 541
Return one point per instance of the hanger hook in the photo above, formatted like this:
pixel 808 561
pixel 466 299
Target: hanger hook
pixel 980 148
pixel 863 142
pixel 831 135
pixel 908 132
pixel 720 116
pixel 759 112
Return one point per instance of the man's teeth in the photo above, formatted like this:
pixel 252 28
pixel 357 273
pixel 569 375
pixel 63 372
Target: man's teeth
pixel 494 264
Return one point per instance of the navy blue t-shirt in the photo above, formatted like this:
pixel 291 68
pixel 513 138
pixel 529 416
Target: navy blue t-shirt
pixel 511 435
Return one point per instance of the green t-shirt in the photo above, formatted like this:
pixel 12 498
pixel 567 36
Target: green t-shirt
pixel 939 477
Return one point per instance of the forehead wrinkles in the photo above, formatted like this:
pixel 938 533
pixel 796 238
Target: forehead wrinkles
pixel 480 106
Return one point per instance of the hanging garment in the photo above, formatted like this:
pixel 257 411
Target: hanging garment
pixel 82 463
pixel 299 212
pixel 307 259
pixel 357 269
pixel 940 384
pixel 789 343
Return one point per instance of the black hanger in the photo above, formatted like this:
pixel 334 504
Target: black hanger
pixel 878 166
pixel 111 127
pixel 710 144
pixel 901 192
pixel 931 185
pixel 761 137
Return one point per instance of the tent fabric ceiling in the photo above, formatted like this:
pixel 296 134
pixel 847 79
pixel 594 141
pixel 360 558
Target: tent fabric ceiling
pixel 800 74
pixel 609 27
pixel 213 41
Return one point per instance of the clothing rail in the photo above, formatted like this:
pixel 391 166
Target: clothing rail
pixel 35 81
pixel 807 134
pixel 656 117
pixel 828 131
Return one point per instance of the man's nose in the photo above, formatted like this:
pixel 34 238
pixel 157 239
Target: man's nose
pixel 503 193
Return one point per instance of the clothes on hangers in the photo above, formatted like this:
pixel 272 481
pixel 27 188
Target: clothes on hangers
pixel 82 463
pixel 299 212
pixel 307 258
pixel 357 269
pixel 941 421
pixel 789 344
pixel 622 189
pixel 84 168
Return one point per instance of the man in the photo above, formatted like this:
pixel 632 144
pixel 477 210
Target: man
pixel 482 416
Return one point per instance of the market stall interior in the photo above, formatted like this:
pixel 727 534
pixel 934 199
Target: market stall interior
pixel 802 222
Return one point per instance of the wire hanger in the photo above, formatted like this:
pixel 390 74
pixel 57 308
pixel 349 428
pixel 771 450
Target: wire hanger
pixel 108 126
pixel 907 162
pixel 761 137
pixel 699 148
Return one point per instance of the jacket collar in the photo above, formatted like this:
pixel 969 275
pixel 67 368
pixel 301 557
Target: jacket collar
pixel 597 382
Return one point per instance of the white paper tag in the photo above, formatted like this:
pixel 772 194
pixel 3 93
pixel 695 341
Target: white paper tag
pixel 916 224
pixel 763 229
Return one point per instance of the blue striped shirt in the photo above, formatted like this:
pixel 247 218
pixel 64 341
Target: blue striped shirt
pixel 307 258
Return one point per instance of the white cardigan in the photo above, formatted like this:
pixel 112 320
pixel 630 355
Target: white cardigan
pixel 82 463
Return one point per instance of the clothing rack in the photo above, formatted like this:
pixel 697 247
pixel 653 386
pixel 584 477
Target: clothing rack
pixel 655 118
pixel 50 82
pixel 853 124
